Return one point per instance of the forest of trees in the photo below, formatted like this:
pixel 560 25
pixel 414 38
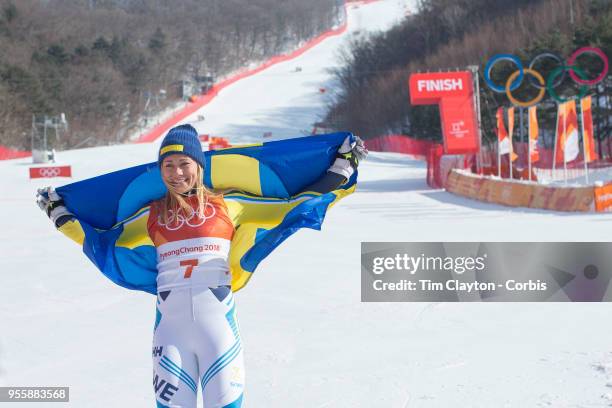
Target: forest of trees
pixel 447 34
pixel 99 61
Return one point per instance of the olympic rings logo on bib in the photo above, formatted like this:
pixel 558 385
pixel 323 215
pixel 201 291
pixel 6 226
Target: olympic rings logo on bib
pixel 555 78
pixel 195 219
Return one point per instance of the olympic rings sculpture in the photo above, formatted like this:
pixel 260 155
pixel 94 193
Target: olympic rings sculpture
pixel 555 78
pixel 177 220
pixel 49 172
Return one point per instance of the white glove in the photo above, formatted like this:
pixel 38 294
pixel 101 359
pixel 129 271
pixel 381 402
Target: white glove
pixel 52 204
pixel 348 157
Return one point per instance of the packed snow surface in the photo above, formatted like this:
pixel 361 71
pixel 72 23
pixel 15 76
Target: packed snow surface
pixel 309 341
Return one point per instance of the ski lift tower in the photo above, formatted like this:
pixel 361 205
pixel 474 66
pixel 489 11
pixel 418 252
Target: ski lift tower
pixel 205 82
pixel 42 125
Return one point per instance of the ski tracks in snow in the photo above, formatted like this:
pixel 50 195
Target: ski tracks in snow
pixel 605 367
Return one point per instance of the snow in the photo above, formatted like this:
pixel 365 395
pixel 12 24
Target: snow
pixel 555 177
pixel 575 177
pixel 285 102
pixel 308 339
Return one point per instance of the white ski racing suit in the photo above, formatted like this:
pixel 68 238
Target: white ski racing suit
pixel 196 341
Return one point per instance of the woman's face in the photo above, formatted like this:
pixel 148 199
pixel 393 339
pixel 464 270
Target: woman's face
pixel 179 172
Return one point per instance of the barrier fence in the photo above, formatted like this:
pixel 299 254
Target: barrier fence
pixel 433 153
pixel 417 148
pixel 530 195
pixel 8 153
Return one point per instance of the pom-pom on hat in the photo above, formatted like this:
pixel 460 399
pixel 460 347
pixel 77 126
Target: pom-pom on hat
pixel 182 139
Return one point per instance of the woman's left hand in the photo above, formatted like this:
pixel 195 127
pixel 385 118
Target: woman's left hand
pixel 348 157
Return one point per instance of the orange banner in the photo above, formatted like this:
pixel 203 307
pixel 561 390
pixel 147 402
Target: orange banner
pixel 567 132
pixel 511 122
pixel 588 138
pixel 534 132
pixel 603 198
pixel 511 132
pixel 502 133
pixel 504 137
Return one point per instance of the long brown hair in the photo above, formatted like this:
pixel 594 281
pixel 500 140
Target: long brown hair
pixel 174 202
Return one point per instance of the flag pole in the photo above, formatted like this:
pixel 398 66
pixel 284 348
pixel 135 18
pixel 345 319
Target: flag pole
pixel 564 146
pixel 510 136
pixel 529 141
pixel 498 148
pixel 498 159
pixel 476 84
pixel 554 175
pixel 521 132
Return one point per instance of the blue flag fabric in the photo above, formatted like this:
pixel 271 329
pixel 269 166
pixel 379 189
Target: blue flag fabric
pixel 268 176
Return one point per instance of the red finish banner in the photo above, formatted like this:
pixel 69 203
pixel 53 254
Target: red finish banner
pixel 454 94
pixel 50 171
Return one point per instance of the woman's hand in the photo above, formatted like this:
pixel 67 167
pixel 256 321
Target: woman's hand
pixel 348 157
pixel 52 204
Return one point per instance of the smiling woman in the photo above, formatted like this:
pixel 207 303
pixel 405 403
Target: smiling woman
pixel 185 236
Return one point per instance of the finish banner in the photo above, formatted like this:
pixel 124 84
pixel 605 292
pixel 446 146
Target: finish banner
pixel 486 271
pixel 454 94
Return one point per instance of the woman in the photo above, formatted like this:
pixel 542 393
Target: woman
pixel 196 336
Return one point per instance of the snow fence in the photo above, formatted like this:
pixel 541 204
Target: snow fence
pixel 517 193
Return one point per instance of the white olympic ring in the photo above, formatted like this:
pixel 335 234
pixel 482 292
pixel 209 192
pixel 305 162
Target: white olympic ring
pixel 176 221
pixel 49 172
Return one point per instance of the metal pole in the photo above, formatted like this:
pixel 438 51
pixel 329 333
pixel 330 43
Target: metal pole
pixel 608 125
pixel 529 142
pixel 511 136
pixel 498 152
pixel 45 135
pixel 554 168
pixel 522 134
pixel 565 140
pixel 479 120
pixel 498 159
pixel 33 131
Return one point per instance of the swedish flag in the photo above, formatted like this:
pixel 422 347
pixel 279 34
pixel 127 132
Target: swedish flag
pixel 266 204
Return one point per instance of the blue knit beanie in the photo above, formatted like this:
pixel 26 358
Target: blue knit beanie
pixel 182 139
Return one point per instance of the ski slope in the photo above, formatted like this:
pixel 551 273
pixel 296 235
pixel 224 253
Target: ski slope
pixel 309 342
pixel 282 101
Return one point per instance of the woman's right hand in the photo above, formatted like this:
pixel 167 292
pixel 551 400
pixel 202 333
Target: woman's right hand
pixel 52 204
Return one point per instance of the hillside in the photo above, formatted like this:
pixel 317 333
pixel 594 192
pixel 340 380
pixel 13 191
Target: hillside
pixel 448 34
pixel 111 64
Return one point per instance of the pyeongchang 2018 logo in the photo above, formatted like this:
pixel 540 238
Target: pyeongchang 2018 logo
pixel 198 249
